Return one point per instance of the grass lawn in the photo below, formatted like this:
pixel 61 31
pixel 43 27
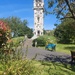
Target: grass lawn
pixel 65 48
pixel 51 68
pixel 31 67
pixel 16 39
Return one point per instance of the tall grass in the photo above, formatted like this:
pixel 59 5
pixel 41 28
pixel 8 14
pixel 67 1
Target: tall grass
pixel 31 67
pixel 17 40
pixel 15 65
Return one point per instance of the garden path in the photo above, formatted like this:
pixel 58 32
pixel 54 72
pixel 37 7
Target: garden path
pixel 45 55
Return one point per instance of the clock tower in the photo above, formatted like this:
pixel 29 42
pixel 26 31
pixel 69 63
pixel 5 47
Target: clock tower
pixel 38 17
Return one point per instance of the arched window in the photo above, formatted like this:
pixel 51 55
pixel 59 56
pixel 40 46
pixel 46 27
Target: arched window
pixel 38 32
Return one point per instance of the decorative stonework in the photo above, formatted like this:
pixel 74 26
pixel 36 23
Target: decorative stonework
pixel 38 17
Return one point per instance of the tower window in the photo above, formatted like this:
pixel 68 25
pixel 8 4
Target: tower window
pixel 39 4
pixel 38 32
pixel 38 18
pixel 38 0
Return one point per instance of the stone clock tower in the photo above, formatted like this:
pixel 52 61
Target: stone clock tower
pixel 38 17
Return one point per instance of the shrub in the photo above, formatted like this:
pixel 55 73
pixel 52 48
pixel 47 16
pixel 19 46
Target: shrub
pixel 65 32
pixel 30 35
pixel 44 40
pixel 41 41
pixel 17 41
pixel 4 33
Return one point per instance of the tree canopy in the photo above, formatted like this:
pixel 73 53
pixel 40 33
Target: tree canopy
pixel 65 32
pixel 18 27
pixel 62 7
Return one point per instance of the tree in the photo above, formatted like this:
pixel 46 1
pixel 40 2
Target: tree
pixel 30 33
pixel 4 33
pixel 62 7
pixel 18 27
pixel 65 32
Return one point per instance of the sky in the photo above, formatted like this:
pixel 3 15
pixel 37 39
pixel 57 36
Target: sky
pixel 24 10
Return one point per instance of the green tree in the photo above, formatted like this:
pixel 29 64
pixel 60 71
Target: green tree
pixel 30 33
pixel 62 7
pixel 65 32
pixel 18 27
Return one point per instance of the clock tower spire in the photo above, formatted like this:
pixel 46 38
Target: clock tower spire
pixel 38 17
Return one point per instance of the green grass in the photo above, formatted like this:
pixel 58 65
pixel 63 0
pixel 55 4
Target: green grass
pixel 65 48
pixel 51 68
pixel 17 40
pixel 31 67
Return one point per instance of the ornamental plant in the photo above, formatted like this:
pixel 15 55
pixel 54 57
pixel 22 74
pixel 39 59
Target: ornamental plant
pixel 4 33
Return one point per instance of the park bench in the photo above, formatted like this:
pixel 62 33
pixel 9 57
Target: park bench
pixel 51 46
pixel 72 56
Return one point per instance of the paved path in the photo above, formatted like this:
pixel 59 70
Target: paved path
pixel 41 54
pixel 45 55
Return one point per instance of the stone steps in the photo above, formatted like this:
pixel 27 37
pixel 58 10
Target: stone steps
pixel 34 37
pixel 28 43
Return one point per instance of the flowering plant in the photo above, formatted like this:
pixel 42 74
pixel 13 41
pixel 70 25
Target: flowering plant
pixel 4 33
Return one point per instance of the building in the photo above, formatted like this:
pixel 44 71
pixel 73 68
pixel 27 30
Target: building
pixel 38 17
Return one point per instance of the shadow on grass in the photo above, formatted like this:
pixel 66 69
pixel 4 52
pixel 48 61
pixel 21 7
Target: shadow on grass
pixel 61 65
pixel 59 69
pixel 55 58
pixel 70 48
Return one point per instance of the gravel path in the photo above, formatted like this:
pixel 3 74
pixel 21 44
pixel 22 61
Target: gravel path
pixel 40 54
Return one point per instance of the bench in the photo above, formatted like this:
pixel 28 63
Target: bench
pixel 50 46
pixel 72 56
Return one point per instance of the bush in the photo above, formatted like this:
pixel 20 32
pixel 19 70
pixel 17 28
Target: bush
pixel 30 35
pixel 65 32
pixel 4 33
pixel 41 41
pixel 44 40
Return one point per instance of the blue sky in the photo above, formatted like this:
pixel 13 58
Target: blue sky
pixel 24 10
